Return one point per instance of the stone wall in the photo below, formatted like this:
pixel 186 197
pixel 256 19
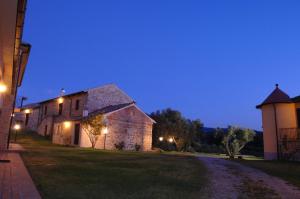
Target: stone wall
pixel 105 96
pixel 69 112
pixel 128 125
pixel 63 134
pixel 45 128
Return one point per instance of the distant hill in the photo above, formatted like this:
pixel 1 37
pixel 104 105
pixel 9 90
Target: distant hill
pixel 211 130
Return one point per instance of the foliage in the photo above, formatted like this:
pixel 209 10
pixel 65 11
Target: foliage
pixel 172 125
pixel 93 127
pixel 137 147
pixel 236 139
pixel 120 146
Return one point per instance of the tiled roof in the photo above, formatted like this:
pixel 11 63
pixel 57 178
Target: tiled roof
pixel 31 106
pixel 109 109
pixel 277 96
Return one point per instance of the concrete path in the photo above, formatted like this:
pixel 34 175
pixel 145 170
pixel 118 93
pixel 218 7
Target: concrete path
pixel 231 180
pixel 15 181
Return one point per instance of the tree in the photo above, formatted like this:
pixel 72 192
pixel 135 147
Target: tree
pixel 93 127
pixel 236 139
pixel 172 125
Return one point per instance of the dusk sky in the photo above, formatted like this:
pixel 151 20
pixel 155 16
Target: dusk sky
pixel 212 60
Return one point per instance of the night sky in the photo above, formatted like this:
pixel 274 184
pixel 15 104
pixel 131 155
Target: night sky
pixel 212 60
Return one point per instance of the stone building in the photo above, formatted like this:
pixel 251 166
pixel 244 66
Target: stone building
pixel 60 119
pixel 281 123
pixel 13 59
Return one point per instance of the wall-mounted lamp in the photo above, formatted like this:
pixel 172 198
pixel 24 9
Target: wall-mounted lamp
pixel 3 87
pixel 161 139
pixel 171 140
pixel 67 124
pixel 27 111
pixel 60 100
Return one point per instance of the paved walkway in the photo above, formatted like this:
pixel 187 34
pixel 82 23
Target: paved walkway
pixel 15 181
pixel 231 180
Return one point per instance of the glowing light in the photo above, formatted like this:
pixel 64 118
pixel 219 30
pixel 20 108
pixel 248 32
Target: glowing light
pixel 67 124
pixel 105 130
pixel 60 100
pixel 27 111
pixel 17 126
pixel 171 140
pixel 161 139
pixel 3 88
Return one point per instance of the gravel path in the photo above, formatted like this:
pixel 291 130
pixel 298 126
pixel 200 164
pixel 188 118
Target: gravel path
pixel 230 180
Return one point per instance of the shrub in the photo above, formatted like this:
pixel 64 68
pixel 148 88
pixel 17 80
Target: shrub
pixel 137 147
pixel 120 146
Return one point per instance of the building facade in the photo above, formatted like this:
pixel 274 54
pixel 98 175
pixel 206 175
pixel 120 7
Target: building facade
pixel 13 59
pixel 60 119
pixel 281 123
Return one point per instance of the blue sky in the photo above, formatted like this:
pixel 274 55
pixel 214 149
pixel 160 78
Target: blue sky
pixel 212 60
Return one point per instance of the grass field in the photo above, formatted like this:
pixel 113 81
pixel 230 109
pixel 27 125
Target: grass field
pixel 289 171
pixel 65 172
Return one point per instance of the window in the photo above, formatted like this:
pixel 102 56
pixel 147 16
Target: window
pixel 77 105
pixel 60 108
pixel 46 130
pixel 58 129
pixel 46 110
pixel 298 117
pixel 26 119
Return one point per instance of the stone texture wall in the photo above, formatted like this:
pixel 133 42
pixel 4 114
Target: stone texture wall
pixel 69 111
pixel 33 117
pixel 128 125
pixel 47 121
pixel 63 135
pixel 105 96
pixel 69 105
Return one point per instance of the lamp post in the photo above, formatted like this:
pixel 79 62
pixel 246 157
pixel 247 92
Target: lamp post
pixel 22 100
pixel 105 132
pixel 17 127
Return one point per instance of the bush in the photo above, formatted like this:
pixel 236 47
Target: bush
pixel 137 147
pixel 120 146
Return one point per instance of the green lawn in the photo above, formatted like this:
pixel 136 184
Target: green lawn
pixel 65 172
pixel 289 171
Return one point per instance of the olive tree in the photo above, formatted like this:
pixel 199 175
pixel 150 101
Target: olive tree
pixel 93 127
pixel 236 139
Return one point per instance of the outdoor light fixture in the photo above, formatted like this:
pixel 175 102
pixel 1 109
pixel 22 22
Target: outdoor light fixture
pixel 171 140
pixel 161 139
pixel 27 111
pixel 105 130
pixel 67 124
pixel 60 100
pixel 3 88
pixel 17 127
